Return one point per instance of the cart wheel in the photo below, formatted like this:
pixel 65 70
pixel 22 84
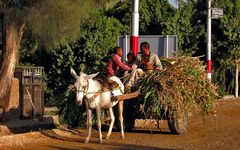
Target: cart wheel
pixel 178 122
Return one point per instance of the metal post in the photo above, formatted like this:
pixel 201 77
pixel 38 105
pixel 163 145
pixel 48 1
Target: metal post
pixel 134 27
pixel 167 46
pixel 236 78
pixel 209 30
pixel 126 46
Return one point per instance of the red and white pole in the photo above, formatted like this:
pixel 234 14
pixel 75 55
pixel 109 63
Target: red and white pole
pixel 134 27
pixel 209 30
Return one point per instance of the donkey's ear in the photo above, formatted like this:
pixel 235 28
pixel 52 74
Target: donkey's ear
pixel 90 76
pixel 74 74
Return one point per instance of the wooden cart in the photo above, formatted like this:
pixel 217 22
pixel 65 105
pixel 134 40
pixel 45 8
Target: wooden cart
pixel 125 96
pixel 177 121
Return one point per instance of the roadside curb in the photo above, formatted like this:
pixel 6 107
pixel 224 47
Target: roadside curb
pixel 228 97
pixel 23 126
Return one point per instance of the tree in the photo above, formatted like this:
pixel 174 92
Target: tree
pixel 226 49
pixel 181 26
pixel 104 3
pixel 50 22
pixel 153 15
pixel 98 38
pixel 188 24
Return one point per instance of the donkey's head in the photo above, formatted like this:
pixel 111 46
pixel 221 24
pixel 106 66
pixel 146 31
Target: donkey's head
pixel 81 84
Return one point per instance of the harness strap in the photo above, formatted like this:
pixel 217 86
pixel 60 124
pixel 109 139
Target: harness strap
pixel 94 96
pixel 98 92
pixel 95 93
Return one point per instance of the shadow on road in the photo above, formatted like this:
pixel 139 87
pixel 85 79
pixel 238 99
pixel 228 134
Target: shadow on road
pixel 76 141
pixel 54 135
pixel 149 131
pixel 135 130
pixel 92 146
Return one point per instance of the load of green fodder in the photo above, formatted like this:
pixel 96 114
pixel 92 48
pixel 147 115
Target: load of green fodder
pixel 181 86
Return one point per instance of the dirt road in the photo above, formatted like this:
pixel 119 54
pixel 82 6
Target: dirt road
pixel 214 132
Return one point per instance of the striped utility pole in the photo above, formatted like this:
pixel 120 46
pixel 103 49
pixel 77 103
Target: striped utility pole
pixel 134 27
pixel 209 30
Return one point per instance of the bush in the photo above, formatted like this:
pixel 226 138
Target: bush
pixel 70 113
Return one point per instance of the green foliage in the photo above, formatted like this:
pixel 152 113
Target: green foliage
pixel 122 12
pixel 50 21
pixel 188 25
pixel 70 113
pixel 228 46
pixel 56 65
pixel 152 18
pixel 58 76
pixel 226 43
pixel 104 3
pixel 97 35
pixel 154 15
pixel 96 42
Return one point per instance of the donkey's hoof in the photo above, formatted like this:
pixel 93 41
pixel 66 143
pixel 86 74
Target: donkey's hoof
pixel 122 137
pixel 108 137
pixel 86 140
pixel 100 141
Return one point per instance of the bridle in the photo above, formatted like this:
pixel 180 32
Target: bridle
pixel 85 89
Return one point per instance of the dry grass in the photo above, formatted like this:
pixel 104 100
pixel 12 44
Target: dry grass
pixel 182 85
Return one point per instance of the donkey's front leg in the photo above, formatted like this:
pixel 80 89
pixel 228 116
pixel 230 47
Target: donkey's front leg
pixel 120 114
pixel 89 124
pixel 111 124
pixel 98 110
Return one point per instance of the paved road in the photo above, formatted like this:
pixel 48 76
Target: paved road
pixel 213 132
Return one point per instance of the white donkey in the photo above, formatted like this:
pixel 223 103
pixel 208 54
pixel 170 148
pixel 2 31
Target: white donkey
pixel 96 98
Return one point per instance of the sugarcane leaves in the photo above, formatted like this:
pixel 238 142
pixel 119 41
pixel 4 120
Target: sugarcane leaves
pixel 147 94
pixel 181 86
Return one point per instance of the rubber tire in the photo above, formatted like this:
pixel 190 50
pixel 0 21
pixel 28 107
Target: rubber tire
pixel 178 122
